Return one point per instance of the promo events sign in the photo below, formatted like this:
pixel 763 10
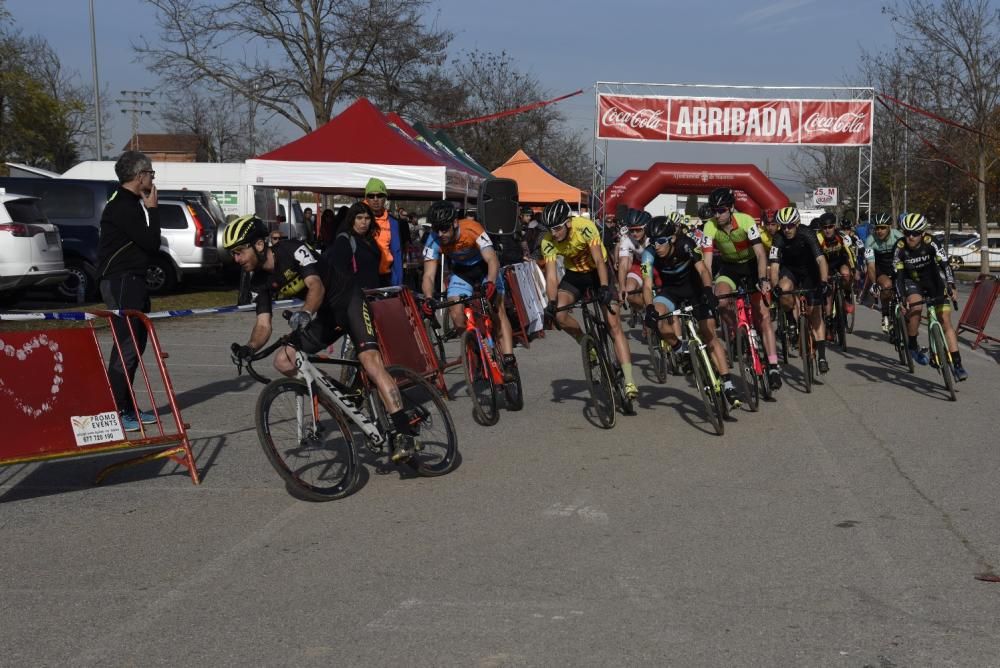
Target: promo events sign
pixel 735 121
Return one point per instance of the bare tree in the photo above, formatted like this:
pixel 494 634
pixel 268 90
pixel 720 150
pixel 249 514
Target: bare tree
pixel 294 58
pixel 954 47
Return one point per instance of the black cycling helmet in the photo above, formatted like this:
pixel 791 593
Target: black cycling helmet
pixel 441 215
pixel 825 219
pixel 636 218
pixel 660 227
pixel 527 211
pixel 244 230
pixel 705 211
pixel 556 213
pixel 722 197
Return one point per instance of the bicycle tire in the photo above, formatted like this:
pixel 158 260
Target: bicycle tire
pixel 320 465
pixel 901 343
pixel 602 392
pixel 657 359
pixel 436 439
pixel 437 343
pixel 479 382
pixel 840 318
pixel 939 349
pixel 785 339
pixel 744 357
pixel 806 352
pixel 709 397
pixel 626 404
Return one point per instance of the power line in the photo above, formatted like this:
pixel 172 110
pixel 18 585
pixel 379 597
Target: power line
pixel 137 103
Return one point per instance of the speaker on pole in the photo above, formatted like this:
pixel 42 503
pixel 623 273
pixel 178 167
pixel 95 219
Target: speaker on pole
pixel 498 208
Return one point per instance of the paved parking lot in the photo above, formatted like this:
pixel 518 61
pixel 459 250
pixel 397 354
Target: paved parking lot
pixel 843 527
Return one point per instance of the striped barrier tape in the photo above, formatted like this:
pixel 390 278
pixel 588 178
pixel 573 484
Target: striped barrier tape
pixel 83 315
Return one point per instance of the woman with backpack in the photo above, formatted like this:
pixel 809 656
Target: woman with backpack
pixel 354 254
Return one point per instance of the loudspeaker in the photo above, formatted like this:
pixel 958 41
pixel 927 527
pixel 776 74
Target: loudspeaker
pixel 498 208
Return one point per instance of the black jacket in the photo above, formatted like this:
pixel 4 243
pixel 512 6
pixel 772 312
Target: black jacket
pixel 127 240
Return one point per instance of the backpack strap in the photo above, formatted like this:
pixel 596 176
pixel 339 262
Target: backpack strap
pixel 354 250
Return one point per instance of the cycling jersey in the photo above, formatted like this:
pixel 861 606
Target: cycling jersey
pixel 627 246
pixel 765 238
pixel 680 281
pixel 882 253
pixel 839 250
pixel 925 260
pixel 575 248
pixel 465 257
pixel 293 262
pixel 797 254
pixel 734 246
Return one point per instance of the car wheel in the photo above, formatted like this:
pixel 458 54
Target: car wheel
pixel 161 277
pixel 82 280
pixel 10 298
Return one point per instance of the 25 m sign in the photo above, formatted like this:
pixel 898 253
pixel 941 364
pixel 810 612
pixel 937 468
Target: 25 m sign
pixel 735 121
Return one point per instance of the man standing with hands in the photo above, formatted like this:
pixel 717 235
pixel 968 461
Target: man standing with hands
pixel 387 235
pixel 130 235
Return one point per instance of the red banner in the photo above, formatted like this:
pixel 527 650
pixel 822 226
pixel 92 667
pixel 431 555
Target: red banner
pixel 735 121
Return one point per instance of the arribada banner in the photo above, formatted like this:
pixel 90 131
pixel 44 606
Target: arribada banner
pixel 735 121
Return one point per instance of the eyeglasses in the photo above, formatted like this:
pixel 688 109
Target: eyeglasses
pixel 236 252
pixel 720 209
pixel 881 227
pixel 276 238
pixel 633 230
pixel 788 226
pixel 829 227
pixel 915 234
pixel 559 226
pixel 662 241
pixel 376 196
pixel 151 172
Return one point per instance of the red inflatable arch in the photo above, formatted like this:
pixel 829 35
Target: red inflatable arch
pixel 754 191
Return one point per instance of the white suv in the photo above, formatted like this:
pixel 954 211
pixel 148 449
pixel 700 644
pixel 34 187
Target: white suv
pixel 30 247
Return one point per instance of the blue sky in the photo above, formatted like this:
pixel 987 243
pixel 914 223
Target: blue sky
pixel 567 46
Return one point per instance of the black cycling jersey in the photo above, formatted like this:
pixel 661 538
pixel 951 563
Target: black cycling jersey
pixel 293 262
pixel 923 261
pixel 678 269
pixel 797 254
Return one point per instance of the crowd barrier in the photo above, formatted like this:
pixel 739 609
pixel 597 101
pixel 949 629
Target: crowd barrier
pixel 56 400
pixel 978 308
pixel 528 294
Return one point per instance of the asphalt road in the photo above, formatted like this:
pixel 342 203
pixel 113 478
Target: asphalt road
pixel 840 528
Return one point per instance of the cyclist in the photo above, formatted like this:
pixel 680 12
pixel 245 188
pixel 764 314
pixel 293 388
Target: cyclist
pixel 736 238
pixel 923 272
pixel 676 260
pixel 880 249
pixel 769 228
pixel 472 261
pixel 333 303
pixel 578 242
pixel 797 262
pixel 839 251
pixel 630 250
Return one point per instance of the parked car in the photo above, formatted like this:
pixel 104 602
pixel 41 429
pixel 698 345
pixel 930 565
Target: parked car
pixel 187 244
pixel 75 207
pixel 968 256
pixel 30 248
pixel 211 205
pixel 957 239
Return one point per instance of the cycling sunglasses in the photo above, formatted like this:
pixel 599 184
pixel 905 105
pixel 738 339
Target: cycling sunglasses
pixel 788 226
pixel 914 234
pixel 830 227
pixel 721 209
pixel 636 229
pixel 662 241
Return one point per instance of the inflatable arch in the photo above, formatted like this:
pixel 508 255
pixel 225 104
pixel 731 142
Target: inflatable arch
pixel 754 191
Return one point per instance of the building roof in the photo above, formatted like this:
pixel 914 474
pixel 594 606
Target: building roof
pixel 165 143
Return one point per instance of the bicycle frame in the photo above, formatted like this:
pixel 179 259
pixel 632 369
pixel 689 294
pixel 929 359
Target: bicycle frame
pixel 480 322
pixel 689 327
pixel 744 321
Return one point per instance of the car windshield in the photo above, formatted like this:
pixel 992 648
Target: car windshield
pixel 25 211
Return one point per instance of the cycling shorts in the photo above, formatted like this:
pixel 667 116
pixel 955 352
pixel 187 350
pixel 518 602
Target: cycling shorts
pixel 931 287
pixel 353 315
pixel 578 282
pixel 803 281
pixel 675 297
pixel 733 274
pixel 460 287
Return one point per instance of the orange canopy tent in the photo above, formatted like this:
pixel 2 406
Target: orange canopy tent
pixel 535 184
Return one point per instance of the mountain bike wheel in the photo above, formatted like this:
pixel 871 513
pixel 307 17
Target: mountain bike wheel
pixel 901 343
pixel 711 399
pixel 783 334
pixel 437 342
pixel 806 352
pixel 479 382
pixel 599 381
pixel 744 358
pixel 513 393
pixel 939 349
pixel 436 442
pixel 657 358
pixel 309 443
pixel 840 319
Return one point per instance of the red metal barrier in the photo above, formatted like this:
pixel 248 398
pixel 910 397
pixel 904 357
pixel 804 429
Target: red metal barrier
pixel 977 310
pixel 56 400
pixel 395 311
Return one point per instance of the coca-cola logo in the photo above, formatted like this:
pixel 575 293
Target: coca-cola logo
pixel 638 119
pixel 851 121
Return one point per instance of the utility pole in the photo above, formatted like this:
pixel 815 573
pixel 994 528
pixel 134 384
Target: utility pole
pixel 137 103
pixel 97 87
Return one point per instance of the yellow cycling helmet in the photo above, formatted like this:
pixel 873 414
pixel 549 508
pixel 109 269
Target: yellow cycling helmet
pixel 787 216
pixel 244 230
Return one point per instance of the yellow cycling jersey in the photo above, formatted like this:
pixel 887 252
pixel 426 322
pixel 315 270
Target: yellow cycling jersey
pixel 838 250
pixel 575 248
pixel 765 238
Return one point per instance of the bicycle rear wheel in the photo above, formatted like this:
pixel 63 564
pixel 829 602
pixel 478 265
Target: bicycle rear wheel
pixel 599 381
pixel 783 334
pixel 806 352
pixel 436 442
pixel 311 449
pixel 711 399
pixel 479 382
pixel 939 349
pixel 744 358
pixel 657 358
pixel 901 343
pixel 840 319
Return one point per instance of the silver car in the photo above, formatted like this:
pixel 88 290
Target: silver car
pixel 187 245
pixel 30 247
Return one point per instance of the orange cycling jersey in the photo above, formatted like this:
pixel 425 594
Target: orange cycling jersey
pixel 465 249
pixel 575 248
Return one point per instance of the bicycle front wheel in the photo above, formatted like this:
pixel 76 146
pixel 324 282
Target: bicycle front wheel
pixel 840 320
pixel 657 358
pixel 806 352
pixel 435 440
pixel 744 357
pixel 308 443
pixel 939 349
pixel 437 343
pixel 479 382
pixel 599 381
pixel 901 343
pixel 711 399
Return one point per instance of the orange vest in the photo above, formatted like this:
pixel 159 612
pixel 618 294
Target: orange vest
pixel 383 237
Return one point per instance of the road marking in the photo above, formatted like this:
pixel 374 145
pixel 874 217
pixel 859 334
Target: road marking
pixel 584 512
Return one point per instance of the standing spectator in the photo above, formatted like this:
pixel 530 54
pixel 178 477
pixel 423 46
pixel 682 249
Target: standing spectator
pixel 354 252
pixel 130 236
pixel 387 234
pixel 309 222
pixel 327 228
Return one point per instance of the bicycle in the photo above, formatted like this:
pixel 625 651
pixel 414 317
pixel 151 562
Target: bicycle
pixel 786 332
pixel 483 363
pixel 746 347
pixel 836 317
pixel 938 354
pixel 706 378
pixel 607 392
pixel 315 452
pixel 807 342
